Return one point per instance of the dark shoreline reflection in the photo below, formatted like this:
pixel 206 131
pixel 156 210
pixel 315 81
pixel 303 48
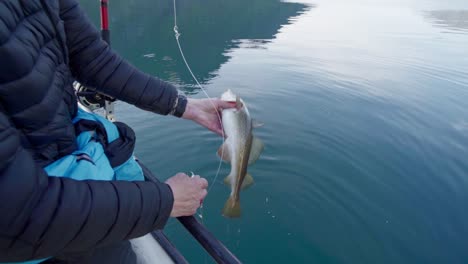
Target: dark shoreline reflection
pixel 142 31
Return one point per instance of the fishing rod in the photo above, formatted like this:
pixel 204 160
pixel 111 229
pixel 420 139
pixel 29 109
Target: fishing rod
pixel 109 102
pixel 90 97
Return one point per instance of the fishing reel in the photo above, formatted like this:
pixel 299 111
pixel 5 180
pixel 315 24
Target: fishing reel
pixel 93 100
pixel 88 98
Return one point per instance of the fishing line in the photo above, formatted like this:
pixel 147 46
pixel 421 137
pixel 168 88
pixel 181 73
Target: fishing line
pixel 177 35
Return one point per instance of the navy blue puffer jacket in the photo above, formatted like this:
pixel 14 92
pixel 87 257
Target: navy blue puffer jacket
pixel 44 46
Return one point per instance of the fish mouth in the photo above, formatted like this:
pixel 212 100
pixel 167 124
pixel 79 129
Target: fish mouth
pixel 228 96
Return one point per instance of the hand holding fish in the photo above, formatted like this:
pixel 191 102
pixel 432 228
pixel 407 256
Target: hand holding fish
pixel 188 193
pixel 202 112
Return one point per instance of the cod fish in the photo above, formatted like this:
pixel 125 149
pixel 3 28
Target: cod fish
pixel 240 149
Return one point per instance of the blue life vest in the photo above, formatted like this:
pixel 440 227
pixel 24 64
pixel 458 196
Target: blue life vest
pixel 104 152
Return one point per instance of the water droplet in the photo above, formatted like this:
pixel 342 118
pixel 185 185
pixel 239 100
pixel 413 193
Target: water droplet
pixel 266 199
pixel 269 212
pixel 149 55
pixel 238 231
pixel 289 234
pixel 201 216
pixel 273 216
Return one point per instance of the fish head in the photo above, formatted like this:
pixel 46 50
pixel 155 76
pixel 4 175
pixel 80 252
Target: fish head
pixel 229 96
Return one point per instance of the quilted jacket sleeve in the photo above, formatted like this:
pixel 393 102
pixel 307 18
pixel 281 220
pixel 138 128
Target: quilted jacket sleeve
pixel 44 216
pixel 93 63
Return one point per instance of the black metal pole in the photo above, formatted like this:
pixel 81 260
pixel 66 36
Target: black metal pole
pixel 170 249
pixel 212 245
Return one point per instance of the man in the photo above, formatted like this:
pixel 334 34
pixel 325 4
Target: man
pixel 44 46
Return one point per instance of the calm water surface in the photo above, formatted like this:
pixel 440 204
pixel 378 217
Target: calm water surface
pixel 365 105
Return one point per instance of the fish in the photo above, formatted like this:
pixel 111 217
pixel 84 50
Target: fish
pixel 240 148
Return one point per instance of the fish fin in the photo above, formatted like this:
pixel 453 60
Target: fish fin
pixel 257 124
pixel 248 181
pixel 232 208
pixel 227 180
pixel 238 103
pixel 223 152
pixel 255 150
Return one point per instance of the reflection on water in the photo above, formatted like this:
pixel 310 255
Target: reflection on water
pixel 251 43
pixel 208 28
pixel 456 20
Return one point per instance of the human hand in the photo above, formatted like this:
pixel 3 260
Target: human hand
pixel 205 113
pixel 188 193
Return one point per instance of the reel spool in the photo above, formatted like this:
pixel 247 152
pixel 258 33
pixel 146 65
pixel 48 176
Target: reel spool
pixel 93 100
pixel 89 98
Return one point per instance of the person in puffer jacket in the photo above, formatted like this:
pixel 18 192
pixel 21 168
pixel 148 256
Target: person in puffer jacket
pixel 44 46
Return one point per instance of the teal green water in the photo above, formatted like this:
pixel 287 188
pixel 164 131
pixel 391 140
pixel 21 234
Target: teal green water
pixel 366 122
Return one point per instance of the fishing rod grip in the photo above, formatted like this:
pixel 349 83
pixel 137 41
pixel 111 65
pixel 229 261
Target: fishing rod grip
pixel 105 34
pixel 212 245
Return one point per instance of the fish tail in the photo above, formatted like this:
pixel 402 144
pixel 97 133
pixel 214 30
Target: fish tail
pixel 232 208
